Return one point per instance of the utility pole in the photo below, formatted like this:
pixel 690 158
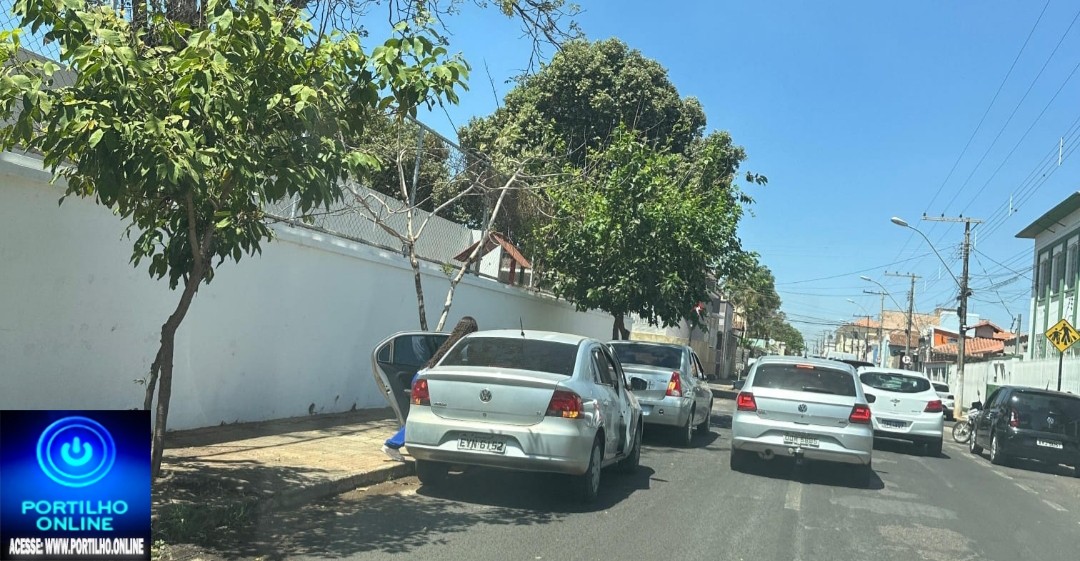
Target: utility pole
pixel 965 292
pixel 880 333
pixel 911 311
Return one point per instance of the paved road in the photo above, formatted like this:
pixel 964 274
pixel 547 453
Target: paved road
pixel 686 504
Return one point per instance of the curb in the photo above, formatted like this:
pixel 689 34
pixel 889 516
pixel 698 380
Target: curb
pixel 299 496
pixel 724 394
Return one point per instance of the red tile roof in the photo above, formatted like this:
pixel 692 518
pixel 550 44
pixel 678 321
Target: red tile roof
pixel 865 322
pixel 979 346
pixel 496 239
pixel 897 340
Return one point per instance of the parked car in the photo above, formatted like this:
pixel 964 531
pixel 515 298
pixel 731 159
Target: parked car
pixel 948 402
pixel 525 400
pixel 396 360
pixel 805 408
pixel 905 406
pixel 1019 422
pixel 676 392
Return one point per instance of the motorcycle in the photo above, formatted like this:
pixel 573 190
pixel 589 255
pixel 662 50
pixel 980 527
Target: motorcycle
pixel 961 431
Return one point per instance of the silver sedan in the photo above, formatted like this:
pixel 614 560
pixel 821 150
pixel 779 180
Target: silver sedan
pixel 524 400
pixel 803 408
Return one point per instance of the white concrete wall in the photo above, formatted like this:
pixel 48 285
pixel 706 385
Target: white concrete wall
pixel 268 338
pixel 1030 373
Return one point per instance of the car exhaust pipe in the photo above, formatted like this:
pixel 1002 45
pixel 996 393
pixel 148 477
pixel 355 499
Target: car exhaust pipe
pixel 767 454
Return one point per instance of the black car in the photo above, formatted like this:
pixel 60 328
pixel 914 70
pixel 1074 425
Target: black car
pixel 1020 422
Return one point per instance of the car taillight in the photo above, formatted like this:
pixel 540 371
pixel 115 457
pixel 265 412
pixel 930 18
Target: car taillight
pixel 420 394
pixel 860 414
pixel 1014 418
pixel 565 404
pixel 745 402
pixel 674 385
pixel 934 407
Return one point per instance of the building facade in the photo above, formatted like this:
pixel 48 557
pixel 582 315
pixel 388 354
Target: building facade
pixel 1055 273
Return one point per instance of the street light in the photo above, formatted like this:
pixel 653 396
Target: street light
pixel 962 283
pixel 881 319
pixel 866 328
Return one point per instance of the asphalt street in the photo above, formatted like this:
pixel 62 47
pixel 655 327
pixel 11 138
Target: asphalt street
pixel 687 504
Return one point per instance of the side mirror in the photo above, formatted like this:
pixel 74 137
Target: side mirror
pixel 637 384
pixel 738 384
pixel 976 405
pixel 871 398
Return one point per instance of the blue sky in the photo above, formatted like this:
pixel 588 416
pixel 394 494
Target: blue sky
pixel 857 111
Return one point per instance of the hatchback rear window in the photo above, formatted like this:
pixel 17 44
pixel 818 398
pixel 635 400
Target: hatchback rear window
pixel 505 352
pixel 892 382
pixel 1048 413
pixel 804 378
pixel 649 355
pixel 941 388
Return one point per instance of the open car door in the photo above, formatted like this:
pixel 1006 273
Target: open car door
pixel 396 360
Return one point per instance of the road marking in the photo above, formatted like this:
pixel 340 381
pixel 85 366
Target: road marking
pixel 1056 506
pixel 1026 488
pixel 793 499
pixel 883 461
pixel 1005 475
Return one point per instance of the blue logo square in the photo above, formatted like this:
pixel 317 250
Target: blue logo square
pixel 74 485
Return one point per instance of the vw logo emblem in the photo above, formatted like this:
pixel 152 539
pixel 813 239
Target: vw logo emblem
pixel 802 408
pixel 485 395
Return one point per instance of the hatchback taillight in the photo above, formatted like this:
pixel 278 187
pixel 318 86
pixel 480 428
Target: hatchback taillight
pixel 565 404
pixel 674 385
pixel 860 414
pixel 1014 418
pixel 934 407
pixel 420 394
pixel 745 402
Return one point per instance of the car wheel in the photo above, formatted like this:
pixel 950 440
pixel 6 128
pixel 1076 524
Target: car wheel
pixel 740 460
pixel 973 445
pixel 431 473
pixel 630 463
pixel 933 448
pixel 997 457
pixel 589 482
pixel 686 433
pixel 703 428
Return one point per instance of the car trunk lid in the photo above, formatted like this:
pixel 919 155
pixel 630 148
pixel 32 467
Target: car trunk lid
pixel 656 378
pixel 804 408
pixel 491 395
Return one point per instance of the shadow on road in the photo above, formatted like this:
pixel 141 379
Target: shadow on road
pixel 812 473
pixel 904 447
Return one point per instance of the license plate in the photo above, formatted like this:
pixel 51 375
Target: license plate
pixel 1049 444
pixel 798 440
pixel 482 444
pixel 888 423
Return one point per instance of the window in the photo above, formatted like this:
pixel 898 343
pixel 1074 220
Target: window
pixel 899 383
pixel 804 378
pixel 603 368
pixel 511 352
pixel 1070 270
pixel 1059 272
pixel 1043 279
pixel 642 354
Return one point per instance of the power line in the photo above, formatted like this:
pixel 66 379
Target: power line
pixel 853 272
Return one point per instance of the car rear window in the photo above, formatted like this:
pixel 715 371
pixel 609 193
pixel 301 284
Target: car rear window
pixel 505 352
pixel 648 355
pixel 893 382
pixel 807 378
pixel 941 388
pixel 1048 413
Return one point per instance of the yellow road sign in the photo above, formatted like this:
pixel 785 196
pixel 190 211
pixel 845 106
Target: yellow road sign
pixel 1062 335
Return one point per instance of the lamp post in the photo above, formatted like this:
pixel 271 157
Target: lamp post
pixel 866 328
pixel 962 284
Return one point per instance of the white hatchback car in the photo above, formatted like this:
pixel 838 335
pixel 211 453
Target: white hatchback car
pixel 905 405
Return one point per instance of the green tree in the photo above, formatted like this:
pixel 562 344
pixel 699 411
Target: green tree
pixel 186 126
pixel 786 333
pixel 752 289
pixel 637 232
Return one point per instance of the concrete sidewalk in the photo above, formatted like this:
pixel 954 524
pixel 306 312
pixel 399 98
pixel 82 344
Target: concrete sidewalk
pixel 217 476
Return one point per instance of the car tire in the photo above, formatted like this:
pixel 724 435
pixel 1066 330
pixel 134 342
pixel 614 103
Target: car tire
pixel 933 448
pixel 973 445
pixel 686 432
pixel 740 460
pixel 430 473
pixel 997 457
pixel 588 483
pixel 630 463
pixel 703 427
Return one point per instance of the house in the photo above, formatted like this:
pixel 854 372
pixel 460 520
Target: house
pixel 1053 296
pixel 859 338
pixel 500 259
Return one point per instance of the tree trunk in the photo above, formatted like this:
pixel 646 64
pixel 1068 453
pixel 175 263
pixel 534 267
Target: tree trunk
pixel 151 382
pixel 619 330
pixel 419 285
pixel 165 362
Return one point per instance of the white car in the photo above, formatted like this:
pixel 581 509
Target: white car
pixel 528 401
pixel 905 406
pixel 947 400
